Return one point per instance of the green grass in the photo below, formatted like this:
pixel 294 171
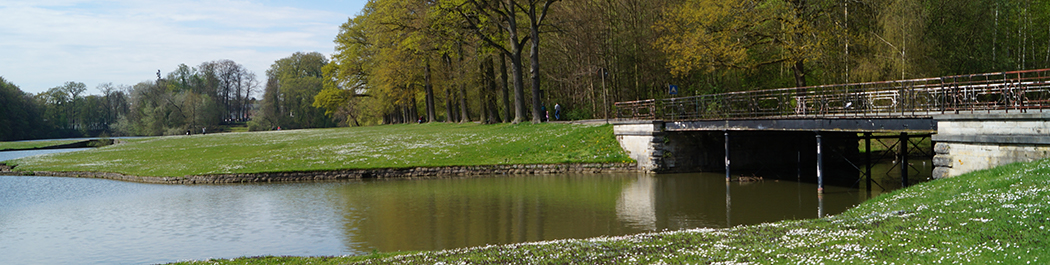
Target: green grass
pixel 33 144
pixel 1000 215
pixel 392 146
pixel 884 144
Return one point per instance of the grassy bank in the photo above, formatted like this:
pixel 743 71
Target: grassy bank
pixel 991 216
pixel 26 145
pixel 393 146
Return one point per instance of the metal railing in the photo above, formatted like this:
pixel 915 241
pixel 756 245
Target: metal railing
pixel 1003 91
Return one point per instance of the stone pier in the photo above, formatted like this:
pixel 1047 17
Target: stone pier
pixel 969 142
pixel 643 141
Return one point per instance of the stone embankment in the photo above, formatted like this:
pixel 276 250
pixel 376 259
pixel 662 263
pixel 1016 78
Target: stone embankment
pixel 354 174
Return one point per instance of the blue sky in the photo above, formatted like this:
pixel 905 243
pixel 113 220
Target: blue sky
pixel 45 43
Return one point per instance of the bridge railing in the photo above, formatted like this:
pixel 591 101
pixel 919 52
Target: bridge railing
pixel 1003 91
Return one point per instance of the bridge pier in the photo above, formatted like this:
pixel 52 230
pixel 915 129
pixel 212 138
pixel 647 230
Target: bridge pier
pixel 644 142
pixel 969 142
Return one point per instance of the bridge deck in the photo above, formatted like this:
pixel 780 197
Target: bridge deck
pixel 925 125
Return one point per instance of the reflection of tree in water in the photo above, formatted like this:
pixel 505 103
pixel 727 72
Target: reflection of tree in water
pixel 465 212
pixel 452 213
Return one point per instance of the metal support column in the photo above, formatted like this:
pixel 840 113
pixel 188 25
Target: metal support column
pixel 727 155
pixel 903 158
pixel 820 164
pixel 867 151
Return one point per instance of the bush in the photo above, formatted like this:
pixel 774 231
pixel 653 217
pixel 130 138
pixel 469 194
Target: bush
pixel 577 114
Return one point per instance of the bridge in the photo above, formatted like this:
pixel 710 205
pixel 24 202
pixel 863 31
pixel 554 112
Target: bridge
pixel 977 121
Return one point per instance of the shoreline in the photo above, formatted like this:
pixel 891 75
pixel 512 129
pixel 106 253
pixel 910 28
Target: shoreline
pixel 347 174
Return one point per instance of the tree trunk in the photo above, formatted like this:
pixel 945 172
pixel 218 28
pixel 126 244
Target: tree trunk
pixel 800 73
pixel 519 83
pixel 464 113
pixel 413 112
pixel 429 88
pixel 449 117
pixel 506 89
pixel 490 87
pixel 534 67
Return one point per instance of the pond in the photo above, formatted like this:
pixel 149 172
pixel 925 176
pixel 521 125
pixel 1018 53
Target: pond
pixel 47 220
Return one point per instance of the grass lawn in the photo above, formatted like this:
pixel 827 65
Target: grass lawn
pixel 33 144
pixel 391 146
pixel 1000 215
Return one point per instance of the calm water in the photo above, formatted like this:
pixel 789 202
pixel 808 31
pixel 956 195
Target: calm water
pixel 45 220
pixel 8 155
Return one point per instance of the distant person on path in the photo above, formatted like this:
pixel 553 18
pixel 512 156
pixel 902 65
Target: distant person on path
pixel 557 112
pixel 545 116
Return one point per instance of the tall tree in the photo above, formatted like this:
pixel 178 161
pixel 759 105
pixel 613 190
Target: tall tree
pixel 489 20
pixel 536 19
pixel 292 84
pixel 738 34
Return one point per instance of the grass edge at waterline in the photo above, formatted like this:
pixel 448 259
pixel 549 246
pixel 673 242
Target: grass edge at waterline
pixel 995 215
pixel 377 147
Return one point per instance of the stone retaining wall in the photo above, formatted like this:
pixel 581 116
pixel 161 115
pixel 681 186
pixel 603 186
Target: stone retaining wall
pixel 354 174
pixel 969 142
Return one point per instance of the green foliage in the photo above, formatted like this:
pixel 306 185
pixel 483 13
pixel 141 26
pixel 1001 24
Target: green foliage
pixel 577 114
pixel 292 84
pixel 20 115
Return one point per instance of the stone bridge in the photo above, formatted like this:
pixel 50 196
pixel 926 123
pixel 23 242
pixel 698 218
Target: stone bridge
pixel 976 122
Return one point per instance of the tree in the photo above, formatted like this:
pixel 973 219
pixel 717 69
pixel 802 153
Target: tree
pixel 19 115
pixel 292 84
pixel 488 20
pixel 736 34
pixel 535 21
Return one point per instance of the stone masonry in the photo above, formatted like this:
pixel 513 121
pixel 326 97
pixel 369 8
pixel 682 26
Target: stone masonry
pixel 969 142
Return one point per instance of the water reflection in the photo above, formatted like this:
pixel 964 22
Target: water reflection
pixel 65 220
pixel 440 214
pixel 8 155
pixel 636 205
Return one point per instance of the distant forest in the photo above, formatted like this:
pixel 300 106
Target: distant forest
pixel 402 61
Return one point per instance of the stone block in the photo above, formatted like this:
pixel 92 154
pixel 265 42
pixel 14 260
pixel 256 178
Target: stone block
pixel 942 148
pixel 940 173
pixel 942 160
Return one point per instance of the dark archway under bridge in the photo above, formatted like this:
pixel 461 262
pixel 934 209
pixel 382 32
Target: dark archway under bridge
pixel 747 149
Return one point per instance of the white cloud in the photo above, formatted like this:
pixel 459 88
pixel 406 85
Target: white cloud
pixel 46 43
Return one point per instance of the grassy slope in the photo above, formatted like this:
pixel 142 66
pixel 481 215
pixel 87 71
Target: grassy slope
pixel 991 216
pixel 394 146
pixel 32 144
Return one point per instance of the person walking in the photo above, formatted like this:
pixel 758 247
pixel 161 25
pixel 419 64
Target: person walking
pixel 557 112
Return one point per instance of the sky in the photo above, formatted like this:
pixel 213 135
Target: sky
pixel 46 43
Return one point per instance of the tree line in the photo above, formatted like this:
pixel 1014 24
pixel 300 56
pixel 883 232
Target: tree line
pixel 509 60
pixel 403 61
pixel 187 100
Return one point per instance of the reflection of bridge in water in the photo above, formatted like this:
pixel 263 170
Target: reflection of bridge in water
pixel 978 121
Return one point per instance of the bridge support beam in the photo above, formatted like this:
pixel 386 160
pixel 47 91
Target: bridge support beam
pixel 820 163
pixel 728 176
pixel 867 161
pixel 903 158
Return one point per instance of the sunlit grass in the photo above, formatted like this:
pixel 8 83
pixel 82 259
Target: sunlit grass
pixel 392 146
pixel 992 216
pixel 33 144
